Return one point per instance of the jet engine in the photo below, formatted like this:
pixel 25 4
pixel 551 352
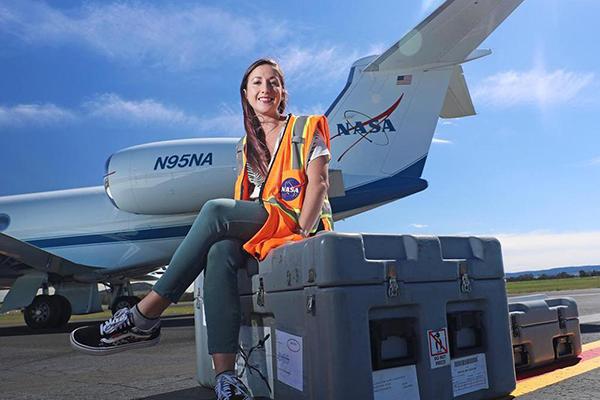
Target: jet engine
pixel 171 177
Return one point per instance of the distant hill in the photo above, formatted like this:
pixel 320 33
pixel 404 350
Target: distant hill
pixel 555 271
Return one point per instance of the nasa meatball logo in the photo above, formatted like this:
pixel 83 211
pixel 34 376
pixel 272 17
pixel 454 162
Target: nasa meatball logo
pixel 290 189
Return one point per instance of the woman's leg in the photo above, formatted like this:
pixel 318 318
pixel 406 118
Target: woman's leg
pixel 222 301
pixel 218 219
pixel 140 326
pixel 153 305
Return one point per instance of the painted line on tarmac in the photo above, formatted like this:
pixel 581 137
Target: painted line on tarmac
pixel 586 319
pixel 588 360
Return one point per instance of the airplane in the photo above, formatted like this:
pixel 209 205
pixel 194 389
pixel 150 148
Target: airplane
pixel 382 125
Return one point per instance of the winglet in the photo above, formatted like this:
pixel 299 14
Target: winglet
pixel 458 101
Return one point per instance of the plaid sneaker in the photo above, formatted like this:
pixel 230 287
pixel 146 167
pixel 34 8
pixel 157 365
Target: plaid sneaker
pixel 229 387
pixel 117 334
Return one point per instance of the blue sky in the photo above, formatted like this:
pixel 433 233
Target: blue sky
pixel 81 80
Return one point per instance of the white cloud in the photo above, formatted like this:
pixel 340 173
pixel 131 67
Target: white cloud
pixel 310 66
pixel 419 226
pixel 535 250
pixel 441 141
pixel 594 161
pixel 183 37
pixel 376 49
pixel 34 114
pixel 227 122
pixel 180 37
pixel 537 86
pixel 428 5
pixel 308 110
pixel 113 107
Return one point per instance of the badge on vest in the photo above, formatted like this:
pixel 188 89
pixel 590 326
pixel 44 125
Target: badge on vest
pixel 290 189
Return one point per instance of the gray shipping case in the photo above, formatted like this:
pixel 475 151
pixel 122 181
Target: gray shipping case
pixel 543 330
pixel 359 316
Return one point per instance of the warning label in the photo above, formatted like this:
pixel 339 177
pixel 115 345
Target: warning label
pixel 439 356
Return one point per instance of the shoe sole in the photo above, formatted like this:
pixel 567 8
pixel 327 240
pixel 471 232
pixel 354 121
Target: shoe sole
pixel 96 351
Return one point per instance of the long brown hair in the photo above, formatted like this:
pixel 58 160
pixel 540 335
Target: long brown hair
pixel 257 151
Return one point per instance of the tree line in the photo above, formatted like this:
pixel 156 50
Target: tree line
pixel 560 275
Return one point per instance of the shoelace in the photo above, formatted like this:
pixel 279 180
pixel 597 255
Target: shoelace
pixel 229 386
pixel 120 319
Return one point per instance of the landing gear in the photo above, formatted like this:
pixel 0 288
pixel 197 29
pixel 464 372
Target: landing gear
pixel 65 309
pixel 47 312
pixel 124 302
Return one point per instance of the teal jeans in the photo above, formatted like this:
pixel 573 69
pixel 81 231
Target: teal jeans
pixel 214 245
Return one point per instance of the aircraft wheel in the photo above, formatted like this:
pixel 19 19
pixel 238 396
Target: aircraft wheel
pixel 124 302
pixel 43 312
pixel 65 309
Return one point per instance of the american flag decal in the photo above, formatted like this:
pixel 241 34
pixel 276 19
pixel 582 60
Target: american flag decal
pixel 404 80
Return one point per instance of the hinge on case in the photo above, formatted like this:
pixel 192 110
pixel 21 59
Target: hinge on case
pixel 514 326
pixel 562 323
pixel 465 282
pixel 393 289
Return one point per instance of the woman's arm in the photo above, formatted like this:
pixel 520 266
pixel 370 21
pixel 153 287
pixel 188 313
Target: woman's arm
pixel 316 189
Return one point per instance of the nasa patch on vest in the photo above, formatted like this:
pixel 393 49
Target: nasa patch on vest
pixel 290 189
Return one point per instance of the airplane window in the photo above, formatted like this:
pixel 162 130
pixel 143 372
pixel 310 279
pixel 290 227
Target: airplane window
pixel 4 222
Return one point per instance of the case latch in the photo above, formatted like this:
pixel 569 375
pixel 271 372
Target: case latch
pixel 310 304
pixel 465 282
pixel 393 289
pixel 260 296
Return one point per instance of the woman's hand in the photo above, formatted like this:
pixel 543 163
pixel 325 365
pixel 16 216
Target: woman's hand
pixel 302 232
pixel 316 189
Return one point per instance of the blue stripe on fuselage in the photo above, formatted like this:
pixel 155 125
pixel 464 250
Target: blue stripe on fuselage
pixel 400 185
pixel 146 234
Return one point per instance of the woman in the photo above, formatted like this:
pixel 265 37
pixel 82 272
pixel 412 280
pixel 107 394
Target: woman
pixel 280 196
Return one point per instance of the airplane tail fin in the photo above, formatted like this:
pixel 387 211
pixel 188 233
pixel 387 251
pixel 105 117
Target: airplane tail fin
pixel 383 121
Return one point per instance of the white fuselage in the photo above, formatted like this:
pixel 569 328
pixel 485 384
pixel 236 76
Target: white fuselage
pixel 82 225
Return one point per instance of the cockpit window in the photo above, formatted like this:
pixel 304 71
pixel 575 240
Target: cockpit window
pixel 4 222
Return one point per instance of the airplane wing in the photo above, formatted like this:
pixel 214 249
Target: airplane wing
pixel 448 36
pixel 24 268
pixel 17 257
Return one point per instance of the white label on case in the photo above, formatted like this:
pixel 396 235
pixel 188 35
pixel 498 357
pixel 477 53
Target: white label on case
pixel 289 359
pixel 469 374
pixel 396 383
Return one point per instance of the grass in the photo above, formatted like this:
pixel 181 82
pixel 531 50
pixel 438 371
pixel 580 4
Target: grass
pixel 16 317
pixel 550 285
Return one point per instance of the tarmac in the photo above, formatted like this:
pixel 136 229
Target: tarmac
pixel 42 365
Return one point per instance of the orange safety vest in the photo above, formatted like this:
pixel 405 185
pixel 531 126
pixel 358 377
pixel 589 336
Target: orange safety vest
pixel 282 193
